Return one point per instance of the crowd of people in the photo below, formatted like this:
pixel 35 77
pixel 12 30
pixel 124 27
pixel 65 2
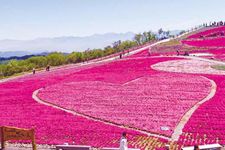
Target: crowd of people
pixel 214 24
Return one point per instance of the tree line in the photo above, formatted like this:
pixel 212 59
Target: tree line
pixel 56 58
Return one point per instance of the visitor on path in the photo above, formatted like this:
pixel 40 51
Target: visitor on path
pixel 120 55
pixel 34 71
pixel 186 53
pixel 196 147
pixel 48 68
pixel 123 142
pixel 178 53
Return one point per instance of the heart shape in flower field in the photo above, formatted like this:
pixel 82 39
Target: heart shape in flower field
pixel 151 103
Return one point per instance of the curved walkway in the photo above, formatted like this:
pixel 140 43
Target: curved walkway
pixel 188 114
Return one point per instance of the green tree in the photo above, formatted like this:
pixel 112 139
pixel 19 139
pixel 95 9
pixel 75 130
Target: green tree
pixel 144 38
pixel 38 61
pixel 151 36
pixel 137 38
pixel 56 59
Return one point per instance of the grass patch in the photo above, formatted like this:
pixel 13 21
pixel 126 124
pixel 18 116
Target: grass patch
pixel 219 67
pixel 170 43
pixel 21 74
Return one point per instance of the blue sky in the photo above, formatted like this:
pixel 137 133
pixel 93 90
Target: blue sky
pixel 29 19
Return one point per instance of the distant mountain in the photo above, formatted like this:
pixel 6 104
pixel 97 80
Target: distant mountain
pixel 63 44
pixel 13 53
pixel 6 58
pixel 20 57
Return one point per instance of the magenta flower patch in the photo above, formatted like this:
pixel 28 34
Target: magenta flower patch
pixel 147 103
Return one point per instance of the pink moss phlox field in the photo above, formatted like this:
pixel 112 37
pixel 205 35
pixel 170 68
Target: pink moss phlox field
pixel 147 103
pixel 207 124
pixel 208 32
pixel 220 42
pixel 210 38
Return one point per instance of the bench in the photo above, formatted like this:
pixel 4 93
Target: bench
pixel 109 148
pixel 73 147
pixel 205 147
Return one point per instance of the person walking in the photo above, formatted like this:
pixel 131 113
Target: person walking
pixel 196 147
pixel 178 53
pixel 120 55
pixel 123 142
pixel 48 68
pixel 34 70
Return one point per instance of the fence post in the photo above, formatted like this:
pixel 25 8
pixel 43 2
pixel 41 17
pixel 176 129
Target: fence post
pixel 33 140
pixel 2 138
